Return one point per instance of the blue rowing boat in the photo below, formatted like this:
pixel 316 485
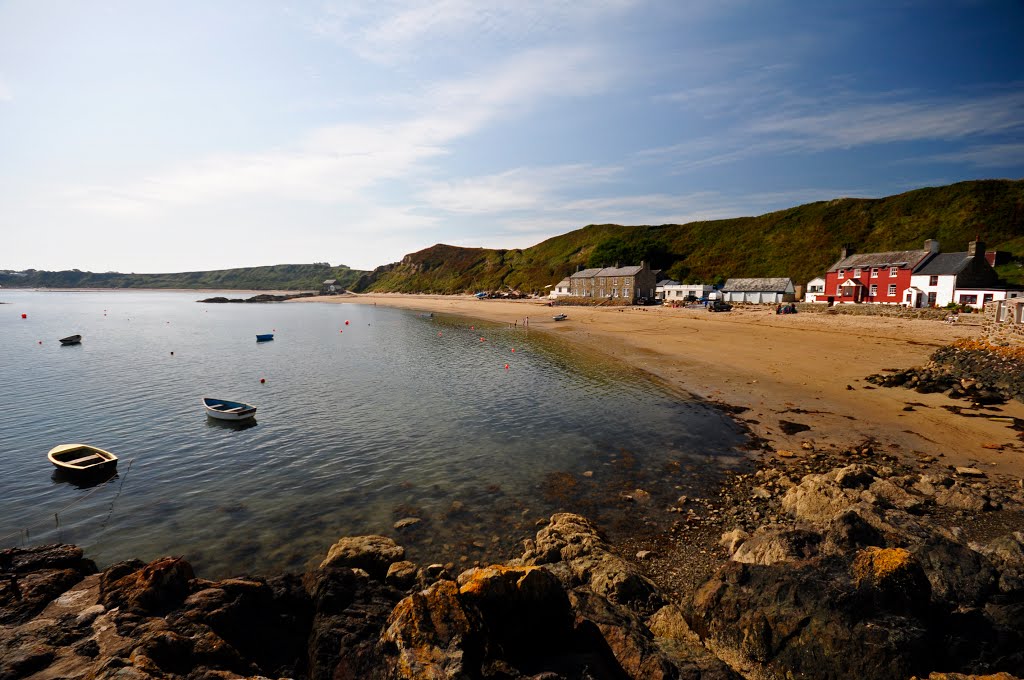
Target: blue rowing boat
pixel 223 409
pixel 264 337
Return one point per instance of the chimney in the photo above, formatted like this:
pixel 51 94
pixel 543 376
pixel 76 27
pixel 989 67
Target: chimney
pixel 931 245
pixel 976 249
pixel 845 252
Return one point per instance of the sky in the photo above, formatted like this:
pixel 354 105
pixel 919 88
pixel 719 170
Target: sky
pixel 151 137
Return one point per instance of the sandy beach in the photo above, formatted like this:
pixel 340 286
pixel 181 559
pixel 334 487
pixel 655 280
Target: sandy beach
pixel 774 371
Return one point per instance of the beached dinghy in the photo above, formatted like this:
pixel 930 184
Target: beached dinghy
pixel 81 458
pixel 264 337
pixel 71 340
pixel 228 410
pixel 560 317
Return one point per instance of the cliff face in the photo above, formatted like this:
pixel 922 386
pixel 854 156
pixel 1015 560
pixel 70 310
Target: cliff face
pixel 870 574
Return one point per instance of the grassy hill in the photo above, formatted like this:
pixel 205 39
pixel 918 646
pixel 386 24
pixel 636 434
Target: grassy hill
pixel 275 277
pixel 800 242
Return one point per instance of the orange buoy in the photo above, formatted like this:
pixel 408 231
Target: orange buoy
pixel 439 334
pixel 40 342
pixel 506 367
pixel 481 339
pixel 513 350
pixel 24 316
pixel 263 380
pixel 346 322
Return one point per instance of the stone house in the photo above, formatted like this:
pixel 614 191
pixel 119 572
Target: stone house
pixel 614 283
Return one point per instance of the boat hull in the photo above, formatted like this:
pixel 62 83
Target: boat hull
pixel 265 337
pixel 221 409
pixel 81 459
pixel 71 340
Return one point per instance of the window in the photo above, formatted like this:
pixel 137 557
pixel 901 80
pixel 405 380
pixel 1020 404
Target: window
pixel 894 271
pixel 842 273
pixel 933 280
pixel 856 272
pixel 968 299
pixel 892 289
pixel 987 298
pixel 874 290
pixel 839 291
pixel 874 272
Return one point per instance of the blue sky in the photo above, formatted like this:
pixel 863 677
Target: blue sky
pixel 180 136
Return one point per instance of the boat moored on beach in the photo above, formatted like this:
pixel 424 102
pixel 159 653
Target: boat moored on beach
pixel 223 409
pixel 81 458
pixel 71 340
pixel 560 317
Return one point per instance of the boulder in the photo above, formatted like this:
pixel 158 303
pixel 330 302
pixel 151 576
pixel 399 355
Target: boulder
pixel 373 554
pixel 155 588
pixel 770 545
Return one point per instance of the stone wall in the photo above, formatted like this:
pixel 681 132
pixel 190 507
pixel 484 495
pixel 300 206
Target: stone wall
pixel 896 311
pixel 1000 333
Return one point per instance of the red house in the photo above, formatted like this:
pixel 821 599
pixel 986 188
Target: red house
pixel 874 277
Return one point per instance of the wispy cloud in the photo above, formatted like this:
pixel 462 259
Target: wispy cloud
pixel 984 156
pixel 392 30
pixel 517 189
pixel 337 163
pixel 5 92
pixel 789 125
pixel 850 123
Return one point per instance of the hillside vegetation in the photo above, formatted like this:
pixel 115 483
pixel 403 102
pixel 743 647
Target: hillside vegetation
pixel 799 243
pixel 274 277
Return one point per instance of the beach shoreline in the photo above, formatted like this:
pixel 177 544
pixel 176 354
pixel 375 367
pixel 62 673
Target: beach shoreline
pixel 796 381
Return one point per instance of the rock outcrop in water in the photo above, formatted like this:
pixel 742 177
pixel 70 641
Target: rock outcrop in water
pixel 262 297
pixel 870 576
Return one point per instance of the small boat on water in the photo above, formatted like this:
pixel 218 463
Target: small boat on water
pixel 264 337
pixel 71 340
pixel 81 458
pixel 560 317
pixel 223 409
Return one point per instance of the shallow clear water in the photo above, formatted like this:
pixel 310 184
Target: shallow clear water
pixel 368 415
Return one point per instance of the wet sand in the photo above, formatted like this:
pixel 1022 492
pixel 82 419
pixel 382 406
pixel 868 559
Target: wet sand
pixel 778 373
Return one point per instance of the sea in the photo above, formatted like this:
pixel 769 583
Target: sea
pixel 465 435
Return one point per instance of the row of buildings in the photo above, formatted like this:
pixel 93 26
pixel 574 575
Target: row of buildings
pixel 912 278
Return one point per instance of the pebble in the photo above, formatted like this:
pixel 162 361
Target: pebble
pixel 643 555
pixel 969 472
pixel 407 522
pixel 588 473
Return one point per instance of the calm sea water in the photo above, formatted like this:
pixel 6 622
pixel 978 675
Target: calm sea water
pixel 368 415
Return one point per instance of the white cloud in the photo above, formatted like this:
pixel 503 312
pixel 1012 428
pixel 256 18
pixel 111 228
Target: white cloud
pixel 337 163
pixel 5 93
pixel 517 189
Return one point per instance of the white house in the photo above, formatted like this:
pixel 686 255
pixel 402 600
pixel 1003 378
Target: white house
pixel 767 291
pixel 659 289
pixel 561 289
pixel 679 292
pixel 965 278
pixel 815 287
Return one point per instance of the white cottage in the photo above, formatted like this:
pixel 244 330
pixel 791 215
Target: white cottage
pixel 561 289
pixel 965 278
pixel 681 292
pixel 815 287
pixel 764 291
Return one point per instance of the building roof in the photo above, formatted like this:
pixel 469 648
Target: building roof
pixel 621 271
pixel 330 282
pixel 815 280
pixel 667 282
pixel 608 271
pixel 757 285
pixel 896 258
pixel 563 282
pixel 945 263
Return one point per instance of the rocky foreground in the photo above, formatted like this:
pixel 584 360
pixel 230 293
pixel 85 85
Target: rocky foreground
pixel 878 568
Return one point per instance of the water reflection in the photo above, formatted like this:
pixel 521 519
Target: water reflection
pixel 84 480
pixel 230 424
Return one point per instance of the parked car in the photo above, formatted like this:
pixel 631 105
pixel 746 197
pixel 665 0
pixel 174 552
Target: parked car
pixel 719 306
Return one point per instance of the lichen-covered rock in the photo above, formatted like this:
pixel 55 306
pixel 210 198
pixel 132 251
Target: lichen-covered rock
pixel 31 578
